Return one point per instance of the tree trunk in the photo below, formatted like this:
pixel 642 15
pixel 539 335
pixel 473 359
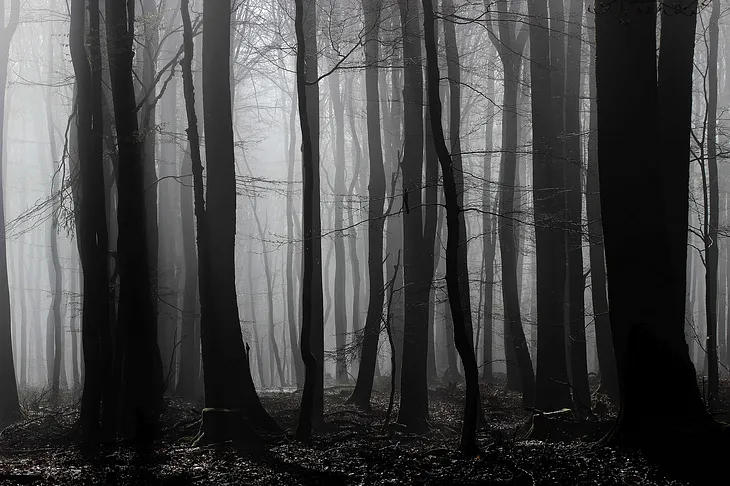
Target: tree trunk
pixel 98 402
pixel 143 384
pixel 454 217
pixel 376 195
pixel 604 341
pixel 413 411
pixel 510 47
pixel 9 408
pixel 574 203
pixel 312 333
pixel 643 159
pixel 711 229
pixel 553 392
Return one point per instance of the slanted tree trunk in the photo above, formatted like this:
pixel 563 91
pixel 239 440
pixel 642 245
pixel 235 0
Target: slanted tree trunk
pixel 376 195
pixel 454 217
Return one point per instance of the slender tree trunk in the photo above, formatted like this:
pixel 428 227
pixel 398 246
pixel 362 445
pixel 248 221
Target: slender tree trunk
pixel 310 166
pixel 454 217
pixel 488 242
pixel 376 195
pixel 9 408
pixel 711 235
pixel 574 200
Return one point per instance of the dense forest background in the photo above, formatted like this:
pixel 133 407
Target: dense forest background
pixel 219 201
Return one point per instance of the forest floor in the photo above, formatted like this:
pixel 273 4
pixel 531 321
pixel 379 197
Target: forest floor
pixel 44 449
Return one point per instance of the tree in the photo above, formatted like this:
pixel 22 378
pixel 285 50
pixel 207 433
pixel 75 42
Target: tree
pixel 552 378
pixel 509 47
pixel 143 384
pixel 233 408
pixel 9 408
pixel 311 365
pixel 372 10
pixel 644 114
pixel 98 404
pixel 454 219
pixel 413 412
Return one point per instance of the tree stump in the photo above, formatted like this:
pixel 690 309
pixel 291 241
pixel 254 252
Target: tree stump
pixel 221 425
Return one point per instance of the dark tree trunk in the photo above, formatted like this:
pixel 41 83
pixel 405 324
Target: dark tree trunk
pixel 711 229
pixel 189 336
pixel 98 403
pixel 310 165
pixel 291 308
pixel 413 411
pixel 454 217
pixel 574 200
pixel 142 369
pixel 604 341
pixel 643 154
pixel 9 408
pixel 553 392
pixel 338 108
pixel 55 275
pixel 376 194
pixel 510 46
pixel 489 242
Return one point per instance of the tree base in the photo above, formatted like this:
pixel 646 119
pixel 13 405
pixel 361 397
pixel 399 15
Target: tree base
pixel 560 426
pixel 220 425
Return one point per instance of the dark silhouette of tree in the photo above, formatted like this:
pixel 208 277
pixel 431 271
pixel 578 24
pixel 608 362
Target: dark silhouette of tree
pixel 599 296
pixel 413 412
pixel 574 205
pixel 98 404
pixel 372 10
pixel 233 407
pixel 143 384
pixel 313 376
pixel 454 219
pixel 552 391
pixel 510 45
pixel 644 115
